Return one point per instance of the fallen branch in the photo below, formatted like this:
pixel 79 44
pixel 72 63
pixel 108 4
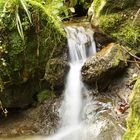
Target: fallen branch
pixel 130 53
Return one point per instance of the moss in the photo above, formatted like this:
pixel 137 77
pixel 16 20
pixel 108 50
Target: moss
pixel 129 32
pixel 121 26
pixel 119 5
pixel 133 121
pixel 45 95
pixel 119 19
pixel 56 70
pixel 98 5
pixel 110 23
pixel 102 7
pixel 26 60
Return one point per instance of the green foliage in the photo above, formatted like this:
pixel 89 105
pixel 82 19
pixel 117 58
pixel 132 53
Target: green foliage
pixel 130 33
pixel 110 23
pixel 11 9
pixel 98 5
pixel 45 95
pixel 22 39
pixel 133 121
pixel 102 7
pixel 52 15
pixel 117 26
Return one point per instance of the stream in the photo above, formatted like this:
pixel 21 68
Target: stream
pixel 83 116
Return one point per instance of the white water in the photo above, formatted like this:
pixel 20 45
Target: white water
pixel 81 45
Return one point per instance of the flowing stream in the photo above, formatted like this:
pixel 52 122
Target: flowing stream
pixel 81 45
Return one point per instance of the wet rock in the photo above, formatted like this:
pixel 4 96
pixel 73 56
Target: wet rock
pixel 102 40
pixel 19 96
pixel 101 68
pixel 42 120
pixel 56 70
pixel 101 122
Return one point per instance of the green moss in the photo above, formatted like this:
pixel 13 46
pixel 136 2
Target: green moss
pixel 103 7
pixel 45 95
pixel 26 59
pixel 119 19
pixel 119 26
pixel 98 5
pixel 129 32
pixel 56 70
pixel 133 122
pixel 110 23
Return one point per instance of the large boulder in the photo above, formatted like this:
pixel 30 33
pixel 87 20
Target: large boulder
pixel 100 69
pixel 133 122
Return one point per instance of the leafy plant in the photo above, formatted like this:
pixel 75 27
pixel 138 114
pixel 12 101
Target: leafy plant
pixel 13 6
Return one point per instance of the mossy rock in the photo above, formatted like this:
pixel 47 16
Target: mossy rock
pixel 26 59
pixel 101 68
pixel 45 95
pixel 133 121
pixel 102 7
pixel 119 20
pixel 56 70
pixel 19 96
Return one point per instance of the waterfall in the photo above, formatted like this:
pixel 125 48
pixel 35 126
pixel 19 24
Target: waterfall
pixel 81 45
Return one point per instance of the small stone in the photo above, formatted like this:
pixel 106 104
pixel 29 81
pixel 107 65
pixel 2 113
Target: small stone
pixel 134 75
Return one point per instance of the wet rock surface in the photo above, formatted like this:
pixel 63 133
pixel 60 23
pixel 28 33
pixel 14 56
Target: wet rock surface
pixel 103 117
pixel 41 120
pixel 100 69
pixel 101 40
pixel 100 117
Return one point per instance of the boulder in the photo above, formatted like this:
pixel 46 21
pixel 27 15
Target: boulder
pixel 100 69
pixel 19 96
pixel 56 70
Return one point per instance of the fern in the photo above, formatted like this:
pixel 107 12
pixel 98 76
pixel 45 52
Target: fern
pixel 19 24
pixel 23 3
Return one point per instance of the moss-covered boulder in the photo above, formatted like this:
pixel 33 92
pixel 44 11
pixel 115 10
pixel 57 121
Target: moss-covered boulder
pixel 25 49
pixel 101 68
pixel 119 19
pixel 56 70
pixel 133 121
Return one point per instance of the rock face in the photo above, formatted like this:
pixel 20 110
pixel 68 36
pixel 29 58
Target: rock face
pixel 100 69
pixel 23 62
pixel 101 40
pixel 56 71
pixel 133 122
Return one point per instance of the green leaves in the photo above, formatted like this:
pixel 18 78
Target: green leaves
pixel 23 3
pixel 19 24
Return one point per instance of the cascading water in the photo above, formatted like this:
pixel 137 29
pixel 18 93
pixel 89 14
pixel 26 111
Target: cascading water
pixel 78 37
pixel 83 117
pixel 81 45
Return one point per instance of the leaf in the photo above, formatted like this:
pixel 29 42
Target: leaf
pixel 26 10
pixel 72 9
pixel 19 24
